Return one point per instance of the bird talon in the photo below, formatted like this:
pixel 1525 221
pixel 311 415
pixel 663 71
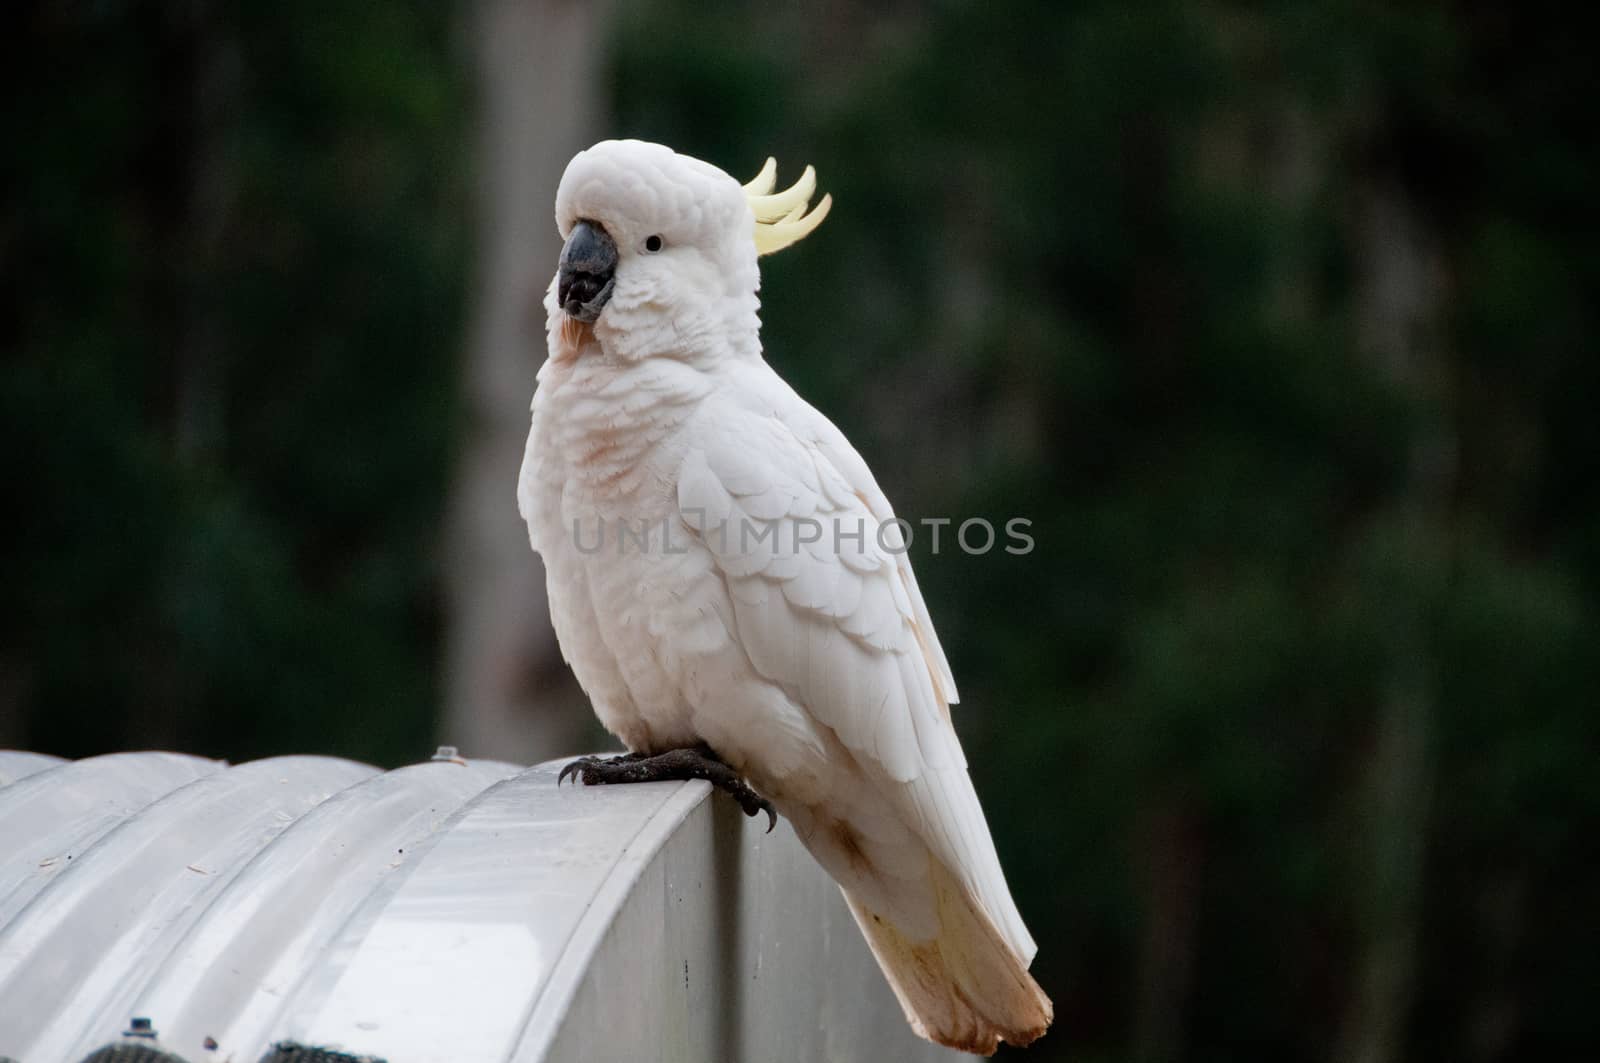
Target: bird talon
pixel 698 763
pixel 753 803
pixel 577 770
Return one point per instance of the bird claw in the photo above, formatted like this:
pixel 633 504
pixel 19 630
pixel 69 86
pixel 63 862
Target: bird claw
pixel 752 803
pixel 590 770
pixel 675 764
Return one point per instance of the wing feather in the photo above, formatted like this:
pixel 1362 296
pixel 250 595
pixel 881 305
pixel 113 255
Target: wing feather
pixel 836 621
pixel 842 470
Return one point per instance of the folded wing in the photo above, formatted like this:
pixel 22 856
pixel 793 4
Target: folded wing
pixel 826 607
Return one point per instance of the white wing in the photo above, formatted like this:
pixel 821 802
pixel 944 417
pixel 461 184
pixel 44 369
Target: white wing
pixel 808 424
pixel 837 621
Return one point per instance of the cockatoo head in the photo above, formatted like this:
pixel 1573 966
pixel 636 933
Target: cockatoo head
pixel 660 252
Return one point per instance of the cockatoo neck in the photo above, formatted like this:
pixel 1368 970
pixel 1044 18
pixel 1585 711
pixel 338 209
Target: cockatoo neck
pixel 703 331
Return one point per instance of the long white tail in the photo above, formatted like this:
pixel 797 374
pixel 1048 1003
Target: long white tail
pixel 966 987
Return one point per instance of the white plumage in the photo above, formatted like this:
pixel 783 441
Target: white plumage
pixel 671 482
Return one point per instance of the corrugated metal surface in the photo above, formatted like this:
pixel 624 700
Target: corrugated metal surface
pixel 449 910
pixel 15 764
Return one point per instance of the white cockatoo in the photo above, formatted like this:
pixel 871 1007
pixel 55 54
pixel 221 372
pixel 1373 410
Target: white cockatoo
pixel 727 582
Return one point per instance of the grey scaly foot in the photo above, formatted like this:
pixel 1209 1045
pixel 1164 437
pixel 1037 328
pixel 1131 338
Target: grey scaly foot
pixel 673 765
pixel 577 769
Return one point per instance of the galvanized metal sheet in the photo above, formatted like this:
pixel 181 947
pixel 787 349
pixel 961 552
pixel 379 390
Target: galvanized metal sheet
pixel 70 957
pixel 16 764
pixel 453 910
pixel 229 979
pixel 729 943
pixel 49 819
pixel 476 927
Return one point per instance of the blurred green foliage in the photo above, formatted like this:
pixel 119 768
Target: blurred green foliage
pixel 234 244
pixel 1291 715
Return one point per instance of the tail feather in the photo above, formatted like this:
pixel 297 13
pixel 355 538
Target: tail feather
pixel 966 988
pixel 945 806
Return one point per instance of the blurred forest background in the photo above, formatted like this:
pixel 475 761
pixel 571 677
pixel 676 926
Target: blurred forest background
pixel 1277 320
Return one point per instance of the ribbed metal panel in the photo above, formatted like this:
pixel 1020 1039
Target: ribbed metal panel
pixel 104 925
pixel 15 764
pixel 453 910
pixel 236 971
pixel 51 818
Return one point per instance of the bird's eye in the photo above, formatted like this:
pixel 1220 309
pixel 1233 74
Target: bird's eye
pixel 652 244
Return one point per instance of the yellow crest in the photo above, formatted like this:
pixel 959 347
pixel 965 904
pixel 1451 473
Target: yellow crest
pixel 781 217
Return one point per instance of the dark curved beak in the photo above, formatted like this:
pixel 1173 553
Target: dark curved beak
pixel 587 272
